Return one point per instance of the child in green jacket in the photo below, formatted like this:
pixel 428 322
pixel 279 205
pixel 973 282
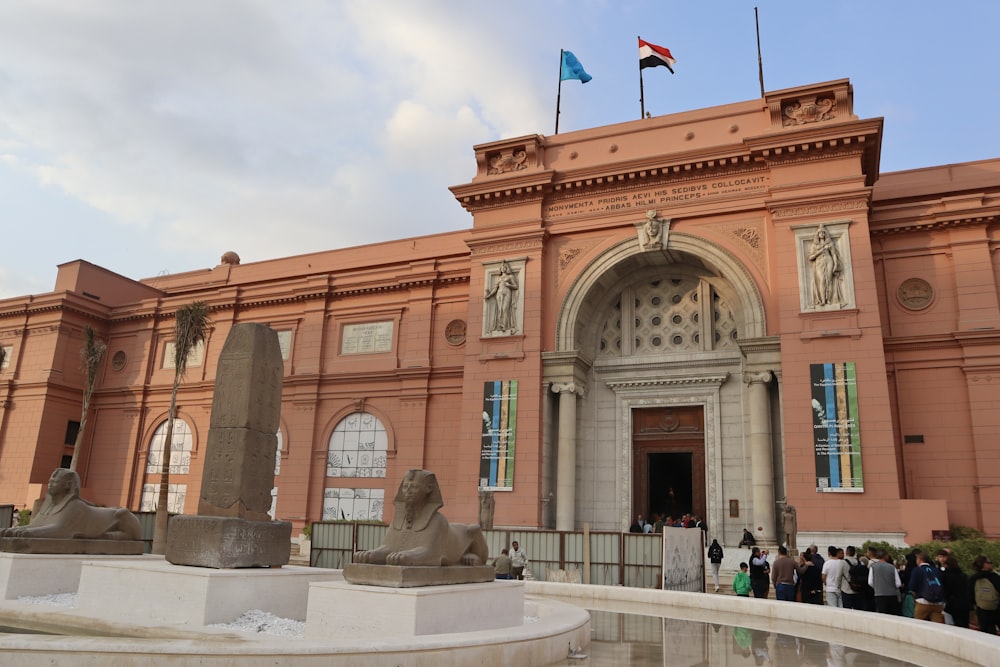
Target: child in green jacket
pixel 741 582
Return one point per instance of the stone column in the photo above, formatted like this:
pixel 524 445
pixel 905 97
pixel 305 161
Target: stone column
pixel 760 456
pixel 566 461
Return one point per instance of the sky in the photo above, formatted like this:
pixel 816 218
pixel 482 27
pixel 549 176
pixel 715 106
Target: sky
pixel 150 137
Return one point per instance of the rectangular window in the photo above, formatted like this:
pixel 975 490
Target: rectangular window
pixel 8 351
pixel 285 342
pixel 72 428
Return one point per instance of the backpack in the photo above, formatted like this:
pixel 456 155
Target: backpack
pixel 930 588
pixel 858 577
pixel 987 596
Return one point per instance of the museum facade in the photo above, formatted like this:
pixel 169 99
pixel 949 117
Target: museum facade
pixel 718 312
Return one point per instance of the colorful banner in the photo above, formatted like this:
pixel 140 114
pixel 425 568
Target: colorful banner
pixel 496 465
pixel 836 435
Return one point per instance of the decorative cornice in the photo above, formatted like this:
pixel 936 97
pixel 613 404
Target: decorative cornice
pixel 936 224
pixel 672 381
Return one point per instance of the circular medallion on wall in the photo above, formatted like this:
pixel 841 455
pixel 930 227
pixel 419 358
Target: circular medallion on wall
pixel 915 294
pixel 454 333
pixel 119 360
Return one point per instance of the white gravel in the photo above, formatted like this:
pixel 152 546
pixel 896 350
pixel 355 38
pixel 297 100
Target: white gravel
pixel 56 600
pixel 264 623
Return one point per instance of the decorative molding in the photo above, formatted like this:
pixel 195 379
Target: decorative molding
pixel 567 255
pixel 915 294
pixel 455 332
pixel 809 109
pixel 779 211
pixel 936 224
pixel 504 161
pixel 568 387
pixel 617 385
pixel 506 247
pixel 761 377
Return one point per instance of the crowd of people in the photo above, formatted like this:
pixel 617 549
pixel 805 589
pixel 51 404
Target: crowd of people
pixel 640 525
pixel 920 586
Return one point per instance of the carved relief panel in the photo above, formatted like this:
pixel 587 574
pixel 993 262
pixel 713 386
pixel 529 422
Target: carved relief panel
pixel 503 301
pixel 826 277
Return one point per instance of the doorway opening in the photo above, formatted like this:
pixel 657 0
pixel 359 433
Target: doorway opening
pixel 668 461
pixel 671 491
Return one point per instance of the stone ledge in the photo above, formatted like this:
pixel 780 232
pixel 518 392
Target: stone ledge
pixel 66 546
pixel 396 576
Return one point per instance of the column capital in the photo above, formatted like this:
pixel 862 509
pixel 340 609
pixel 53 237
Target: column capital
pixel 567 387
pixel 759 377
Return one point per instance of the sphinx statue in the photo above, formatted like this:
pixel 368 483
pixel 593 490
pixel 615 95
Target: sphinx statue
pixel 421 538
pixel 421 535
pixel 64 515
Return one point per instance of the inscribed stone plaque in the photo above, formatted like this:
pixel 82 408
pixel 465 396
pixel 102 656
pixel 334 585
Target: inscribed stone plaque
pixel 369 338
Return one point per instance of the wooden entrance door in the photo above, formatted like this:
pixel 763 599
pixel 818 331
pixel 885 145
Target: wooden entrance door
pixel 668 461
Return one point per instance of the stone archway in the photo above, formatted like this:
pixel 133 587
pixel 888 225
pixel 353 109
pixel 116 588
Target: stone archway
pixel 641 378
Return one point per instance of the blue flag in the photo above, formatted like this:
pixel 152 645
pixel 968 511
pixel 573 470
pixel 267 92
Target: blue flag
pixel 572 69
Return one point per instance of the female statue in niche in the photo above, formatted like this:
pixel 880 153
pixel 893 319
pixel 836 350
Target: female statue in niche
pixel 504 295
pixel 827 269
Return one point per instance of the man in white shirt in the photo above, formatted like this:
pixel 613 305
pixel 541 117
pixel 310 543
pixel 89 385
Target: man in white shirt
pixel 518 560
pixel 833 572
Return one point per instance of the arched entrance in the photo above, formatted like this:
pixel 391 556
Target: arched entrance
pixel 649 338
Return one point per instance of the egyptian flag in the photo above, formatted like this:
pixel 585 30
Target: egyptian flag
pixel 651 55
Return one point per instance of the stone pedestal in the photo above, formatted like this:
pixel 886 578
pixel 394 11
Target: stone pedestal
pixel 47 545
pixel 32 575
pixel 344 609
pixel 395 576
pixel 158 593
pixel 228 542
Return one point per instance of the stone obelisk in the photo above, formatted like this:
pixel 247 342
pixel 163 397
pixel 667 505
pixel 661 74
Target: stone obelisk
pixel 232 528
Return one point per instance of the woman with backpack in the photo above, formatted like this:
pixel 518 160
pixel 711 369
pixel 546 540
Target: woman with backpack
pixel 985 589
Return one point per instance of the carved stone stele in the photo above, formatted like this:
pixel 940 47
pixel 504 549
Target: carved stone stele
pixel 232 528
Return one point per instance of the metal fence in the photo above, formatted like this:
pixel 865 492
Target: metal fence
pixel 615 559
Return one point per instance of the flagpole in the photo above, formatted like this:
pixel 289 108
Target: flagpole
pixel 642 96
pixel 559 93
pixel 760 62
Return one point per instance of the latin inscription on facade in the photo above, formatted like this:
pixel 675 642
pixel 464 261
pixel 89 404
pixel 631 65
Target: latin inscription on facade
pixel 665 195
pixel 369 338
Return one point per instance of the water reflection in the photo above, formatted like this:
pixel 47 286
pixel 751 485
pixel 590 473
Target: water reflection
pixel 647 641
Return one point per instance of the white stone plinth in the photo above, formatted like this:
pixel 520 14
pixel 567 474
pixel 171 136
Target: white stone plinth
pixel 349 610
pixel 160 593
pixel 45 574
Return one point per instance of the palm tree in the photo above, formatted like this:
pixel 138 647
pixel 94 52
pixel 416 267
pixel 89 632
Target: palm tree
pixel 190 328
pixel 91 355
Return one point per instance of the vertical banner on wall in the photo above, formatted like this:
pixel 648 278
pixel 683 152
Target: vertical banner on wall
pixel 836 435
pixel 496 465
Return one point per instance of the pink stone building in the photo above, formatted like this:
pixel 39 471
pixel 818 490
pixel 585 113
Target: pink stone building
pixel 713 312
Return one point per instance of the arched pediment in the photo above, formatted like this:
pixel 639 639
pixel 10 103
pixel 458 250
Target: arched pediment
pixel 601 280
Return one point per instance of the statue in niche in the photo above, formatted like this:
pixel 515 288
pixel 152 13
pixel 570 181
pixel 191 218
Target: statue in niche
pixel 65 515
pixel 827 270
pixel 651 232
pixel 503 293
pixel 420 535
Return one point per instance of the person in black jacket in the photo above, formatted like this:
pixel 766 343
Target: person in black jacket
pixel 957 601
pixel 715 557
pixel 760 571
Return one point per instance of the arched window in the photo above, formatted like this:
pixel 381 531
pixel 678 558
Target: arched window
pixel 180 449
pixel 180 464
pixel 277 470
pixel 357 447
